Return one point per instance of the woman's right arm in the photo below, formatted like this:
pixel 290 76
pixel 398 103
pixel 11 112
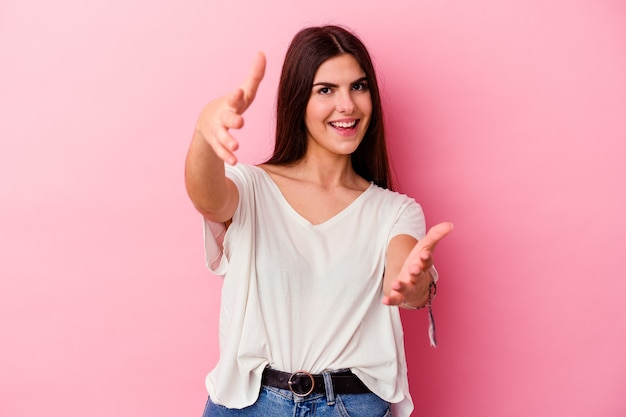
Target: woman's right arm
pixel 214 195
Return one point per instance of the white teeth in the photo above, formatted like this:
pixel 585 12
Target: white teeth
pixel 344 124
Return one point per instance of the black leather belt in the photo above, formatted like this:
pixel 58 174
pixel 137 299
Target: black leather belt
pixel 302 383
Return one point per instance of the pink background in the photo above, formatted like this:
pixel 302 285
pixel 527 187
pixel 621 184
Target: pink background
pixel 506 117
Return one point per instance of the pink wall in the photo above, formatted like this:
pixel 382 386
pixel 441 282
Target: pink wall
pixel 508 118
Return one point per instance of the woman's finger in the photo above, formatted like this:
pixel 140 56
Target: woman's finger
pixel 236 101
pixel 224 153
pixel 251 84
pixel 435 235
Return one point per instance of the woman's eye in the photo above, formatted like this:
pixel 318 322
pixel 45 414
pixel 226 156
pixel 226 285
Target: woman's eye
pixel 360 86
pixel 325 90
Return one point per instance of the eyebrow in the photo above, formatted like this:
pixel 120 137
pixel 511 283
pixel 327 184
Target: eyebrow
pixel 325 84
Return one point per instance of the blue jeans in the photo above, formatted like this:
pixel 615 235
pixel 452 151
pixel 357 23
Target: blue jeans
pixel 274 402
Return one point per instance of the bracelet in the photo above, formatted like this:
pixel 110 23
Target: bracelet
pixel 432 291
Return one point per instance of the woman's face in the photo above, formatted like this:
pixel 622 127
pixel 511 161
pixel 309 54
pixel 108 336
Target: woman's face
pixel 339 108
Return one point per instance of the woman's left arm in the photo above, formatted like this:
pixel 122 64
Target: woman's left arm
pixel 407 277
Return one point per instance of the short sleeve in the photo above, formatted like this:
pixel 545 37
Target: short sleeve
pixel 214 247
pixel 409 220
pixel 215 233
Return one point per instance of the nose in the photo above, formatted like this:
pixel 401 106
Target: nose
pixel 345 104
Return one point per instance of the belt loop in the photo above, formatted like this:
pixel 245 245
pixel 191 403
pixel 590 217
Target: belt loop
pixel 328 385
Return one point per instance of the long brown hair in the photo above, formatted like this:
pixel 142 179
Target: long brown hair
pixel 308 50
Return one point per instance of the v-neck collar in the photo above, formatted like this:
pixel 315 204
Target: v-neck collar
pixel 299 217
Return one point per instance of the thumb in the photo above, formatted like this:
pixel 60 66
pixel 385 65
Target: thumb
pixel 435 234
pixel 251 84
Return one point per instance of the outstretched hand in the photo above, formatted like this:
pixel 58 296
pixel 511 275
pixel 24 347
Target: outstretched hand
pixel 411 286
pixel 226 112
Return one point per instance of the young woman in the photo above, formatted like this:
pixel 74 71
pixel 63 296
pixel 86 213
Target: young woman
pixel 316 251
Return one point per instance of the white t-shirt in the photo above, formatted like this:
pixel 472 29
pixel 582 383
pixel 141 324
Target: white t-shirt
pixel 298 296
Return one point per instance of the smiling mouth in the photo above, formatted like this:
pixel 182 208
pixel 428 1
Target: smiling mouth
pixel 344 125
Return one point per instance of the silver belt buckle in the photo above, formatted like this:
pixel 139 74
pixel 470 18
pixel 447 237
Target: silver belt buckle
pixel 291 383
